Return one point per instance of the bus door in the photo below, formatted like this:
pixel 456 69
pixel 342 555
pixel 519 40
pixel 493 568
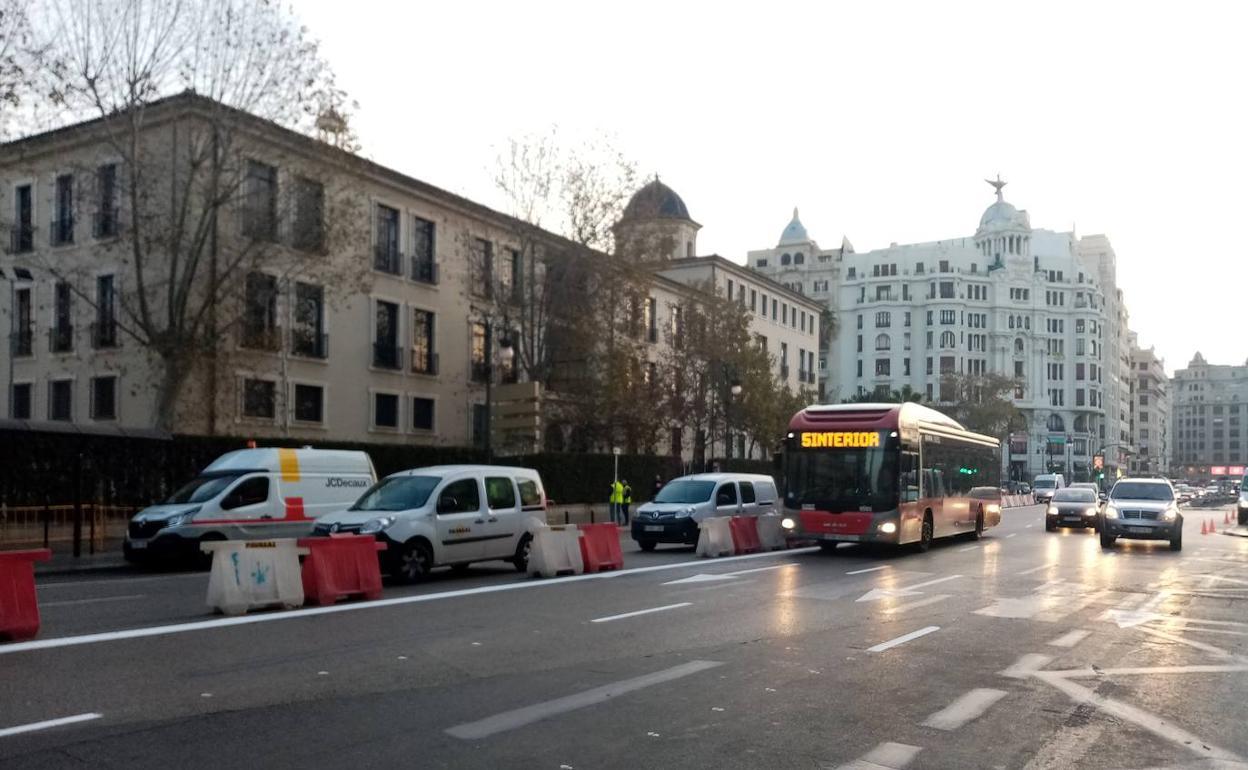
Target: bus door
pixel 910 507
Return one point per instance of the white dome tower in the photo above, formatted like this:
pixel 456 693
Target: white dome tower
pixel 1004 231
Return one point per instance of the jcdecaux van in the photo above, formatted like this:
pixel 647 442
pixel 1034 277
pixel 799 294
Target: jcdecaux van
pixel 250 494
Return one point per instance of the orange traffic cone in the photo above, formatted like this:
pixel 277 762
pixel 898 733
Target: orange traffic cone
pixel 1226 520
pixel 1204 528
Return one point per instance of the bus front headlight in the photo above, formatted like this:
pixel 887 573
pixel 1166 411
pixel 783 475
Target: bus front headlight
pixel 788 523
pixel 888 527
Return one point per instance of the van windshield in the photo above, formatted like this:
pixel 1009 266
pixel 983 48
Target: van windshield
pixel 685 492
pixel 398 493
pixel 1043 483
pixel 202 489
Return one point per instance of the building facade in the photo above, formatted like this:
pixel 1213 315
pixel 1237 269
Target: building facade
pixel 1032 304
pixel 1150 415
pixel 1209 403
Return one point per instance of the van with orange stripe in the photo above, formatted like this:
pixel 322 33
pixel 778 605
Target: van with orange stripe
pixel 250 494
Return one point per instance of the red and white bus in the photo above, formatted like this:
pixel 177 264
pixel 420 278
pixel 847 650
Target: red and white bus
pixel 887 473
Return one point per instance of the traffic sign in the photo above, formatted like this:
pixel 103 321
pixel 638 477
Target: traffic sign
pixel 1098 461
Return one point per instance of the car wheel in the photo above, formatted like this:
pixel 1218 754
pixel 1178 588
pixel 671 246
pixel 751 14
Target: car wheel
pixel 521 559
pixel 413 562
pixel 1107 541
pixel 1050 525
pixel 1176 542
pixel 925 535
pixel 646 545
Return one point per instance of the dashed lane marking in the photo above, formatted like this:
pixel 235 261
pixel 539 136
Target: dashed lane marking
pixel 1012 534
pixel 75 602
pixel 864 571
pixel 969 707
pixel 891 643
pixel 886 756
pixel 1070 639
pixel 915 605
pixel 34 726
pixel 624 615
pixel 1037 569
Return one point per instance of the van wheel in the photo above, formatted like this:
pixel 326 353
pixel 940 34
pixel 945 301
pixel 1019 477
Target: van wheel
pixel 413 562
pixel 925 536
pixel 646 545
pixel 521 559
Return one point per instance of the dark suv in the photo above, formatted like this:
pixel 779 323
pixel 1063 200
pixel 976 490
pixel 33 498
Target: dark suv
pixel 1143 509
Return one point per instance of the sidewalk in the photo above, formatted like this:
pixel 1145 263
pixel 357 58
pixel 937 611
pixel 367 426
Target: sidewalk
pixel 64 563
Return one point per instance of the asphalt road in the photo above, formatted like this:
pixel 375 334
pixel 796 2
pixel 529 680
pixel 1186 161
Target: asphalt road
pixel 1026 649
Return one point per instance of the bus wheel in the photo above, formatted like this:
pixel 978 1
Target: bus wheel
pixel 925 537
pixel 979 527
pixel 828 547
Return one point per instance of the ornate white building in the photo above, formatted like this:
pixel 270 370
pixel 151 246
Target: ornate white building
pixel 1038 305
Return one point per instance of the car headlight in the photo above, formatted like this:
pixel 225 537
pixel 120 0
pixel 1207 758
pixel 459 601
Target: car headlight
pixel 685 511
pixel 185 517
pixel 373 526
pixel 1169 514
pixel 1111 512
pixel 1090 512
pixel 1052 510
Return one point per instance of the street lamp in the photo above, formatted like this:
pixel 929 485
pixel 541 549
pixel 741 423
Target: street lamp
pixel 734 391
pixel 19 274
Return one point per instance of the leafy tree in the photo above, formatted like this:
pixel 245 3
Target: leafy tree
pixel 981 402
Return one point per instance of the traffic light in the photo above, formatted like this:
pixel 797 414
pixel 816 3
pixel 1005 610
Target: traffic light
pixel 1100 476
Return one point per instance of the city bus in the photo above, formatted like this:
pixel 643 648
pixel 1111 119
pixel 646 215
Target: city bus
pixel 893 474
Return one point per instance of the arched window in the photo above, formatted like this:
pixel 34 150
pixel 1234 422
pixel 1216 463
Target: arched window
pixel 1055 424
pixel 1081 424
pixel 948 340
pixel 882 342
pixel 799 258
pixel 786 259
pixel 1018 345
pixel 1011 322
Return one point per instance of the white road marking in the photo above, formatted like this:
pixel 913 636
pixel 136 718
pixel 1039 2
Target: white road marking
pixel 970 706
pixel 876 594
pixel 243 620
pixel 33 726
pixel 1209 648
pixel 527 715
pixel 664 608
pixel 718 576
pixel 915 605
pixel 1029 526
pixel 1012 534
pixel 891 643
pixel 967 548
pixel 1079 673
pixel 1026 666
pixel 1037 569
pixel 886 756
pixel 1227 579
pixel 864 571
pixel 1070 639
pixel 72 602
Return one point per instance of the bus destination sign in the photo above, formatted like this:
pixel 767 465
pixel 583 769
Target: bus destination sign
pixel 840 439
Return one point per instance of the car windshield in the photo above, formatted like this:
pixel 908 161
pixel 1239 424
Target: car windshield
pixel 685 491
pixel 1136 490
pixel 397 493
pixel 1045 483
pixel 1074 496
pixel 202 489
pixel 842 479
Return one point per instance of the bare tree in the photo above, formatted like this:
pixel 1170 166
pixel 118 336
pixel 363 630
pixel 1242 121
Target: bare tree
pixel 197 205
pixel 19 56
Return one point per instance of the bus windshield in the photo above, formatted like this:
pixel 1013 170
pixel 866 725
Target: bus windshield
pixel 842 479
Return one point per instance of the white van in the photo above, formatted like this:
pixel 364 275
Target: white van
pixel 1046 484
pixel 675 512
pixel 448 514
pixel 250 494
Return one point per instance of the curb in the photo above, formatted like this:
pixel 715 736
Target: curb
pixel 82 569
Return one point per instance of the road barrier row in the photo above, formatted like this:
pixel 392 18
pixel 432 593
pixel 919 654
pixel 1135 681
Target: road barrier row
pixel 556 550
pixel 1017 501
pixel 728 536
pixel 600 547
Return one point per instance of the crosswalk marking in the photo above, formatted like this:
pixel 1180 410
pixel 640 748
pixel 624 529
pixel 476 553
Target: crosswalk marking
pixel 969 707
pixel 886 756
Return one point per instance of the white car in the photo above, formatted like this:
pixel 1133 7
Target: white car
pixel 447 515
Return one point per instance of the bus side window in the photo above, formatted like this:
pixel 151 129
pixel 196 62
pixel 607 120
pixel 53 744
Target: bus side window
pixel 909 477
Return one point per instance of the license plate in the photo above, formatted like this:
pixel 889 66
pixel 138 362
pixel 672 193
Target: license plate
pixel 1075 519
pixel 138 545
pixel 1140 530
pixel 848 538
pixel 654 528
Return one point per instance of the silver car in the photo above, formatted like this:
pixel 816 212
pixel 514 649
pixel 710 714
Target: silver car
pixel 1144 509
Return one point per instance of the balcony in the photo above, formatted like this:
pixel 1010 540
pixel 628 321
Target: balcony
pixel 61 338
pixel 23 342
pixel 387 355
pixel 309 343
pixel 258 337
pixel 21 239
pixel 424 362
pixel 387 259
pixel 106 224
pixel 425 270
pixel 104 335
pixel 62 231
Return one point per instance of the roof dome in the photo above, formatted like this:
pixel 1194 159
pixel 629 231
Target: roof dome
pixel 655 201
pixel 795 232
pixel 1002 214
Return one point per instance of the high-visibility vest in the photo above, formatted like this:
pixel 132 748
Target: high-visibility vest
pixel 617 492
pixel 628 494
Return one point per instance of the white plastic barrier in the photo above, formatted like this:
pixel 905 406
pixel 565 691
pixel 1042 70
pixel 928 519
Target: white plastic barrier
pixel 770 533
pixel 555 550
pixel 715 537
pixel 251 574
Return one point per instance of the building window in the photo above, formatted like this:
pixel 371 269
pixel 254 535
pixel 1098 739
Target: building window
pixel 948 317
pixel 424 359
pixel 753 300
pixel 386 351
pixel 63 224
pixel 478 356
pixel 308 336
pixel 62 339
pixel 652 319
pixel 883 366
pixel 882 342
pixel 883 319
pixel 104 398
pixel 422 413
pixel 385 410
pixel 104 330
pixel 105 224
pixel 309 403
pixel 61 400
pixel 1018 368
pixel 482 256
pixel 260 330
pixel 948 340
pixel 424 265
pixel 309 226
pixel 860 367
pixel 260 399
pixel 929 366
pixel 22 235
pixel 23 326
pixel 386 256
pixel 21 407
pixel 260 202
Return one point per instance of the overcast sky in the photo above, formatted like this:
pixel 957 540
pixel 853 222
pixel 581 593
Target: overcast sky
pixel 879 120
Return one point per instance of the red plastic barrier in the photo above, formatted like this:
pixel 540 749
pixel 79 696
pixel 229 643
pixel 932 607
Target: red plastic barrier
pixel 339 566
pixel 19 606
pixel 600 547
pixel 744 534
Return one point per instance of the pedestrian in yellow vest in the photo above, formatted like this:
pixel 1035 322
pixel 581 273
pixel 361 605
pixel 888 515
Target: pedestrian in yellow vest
pixel 628 500
pixel 616 500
